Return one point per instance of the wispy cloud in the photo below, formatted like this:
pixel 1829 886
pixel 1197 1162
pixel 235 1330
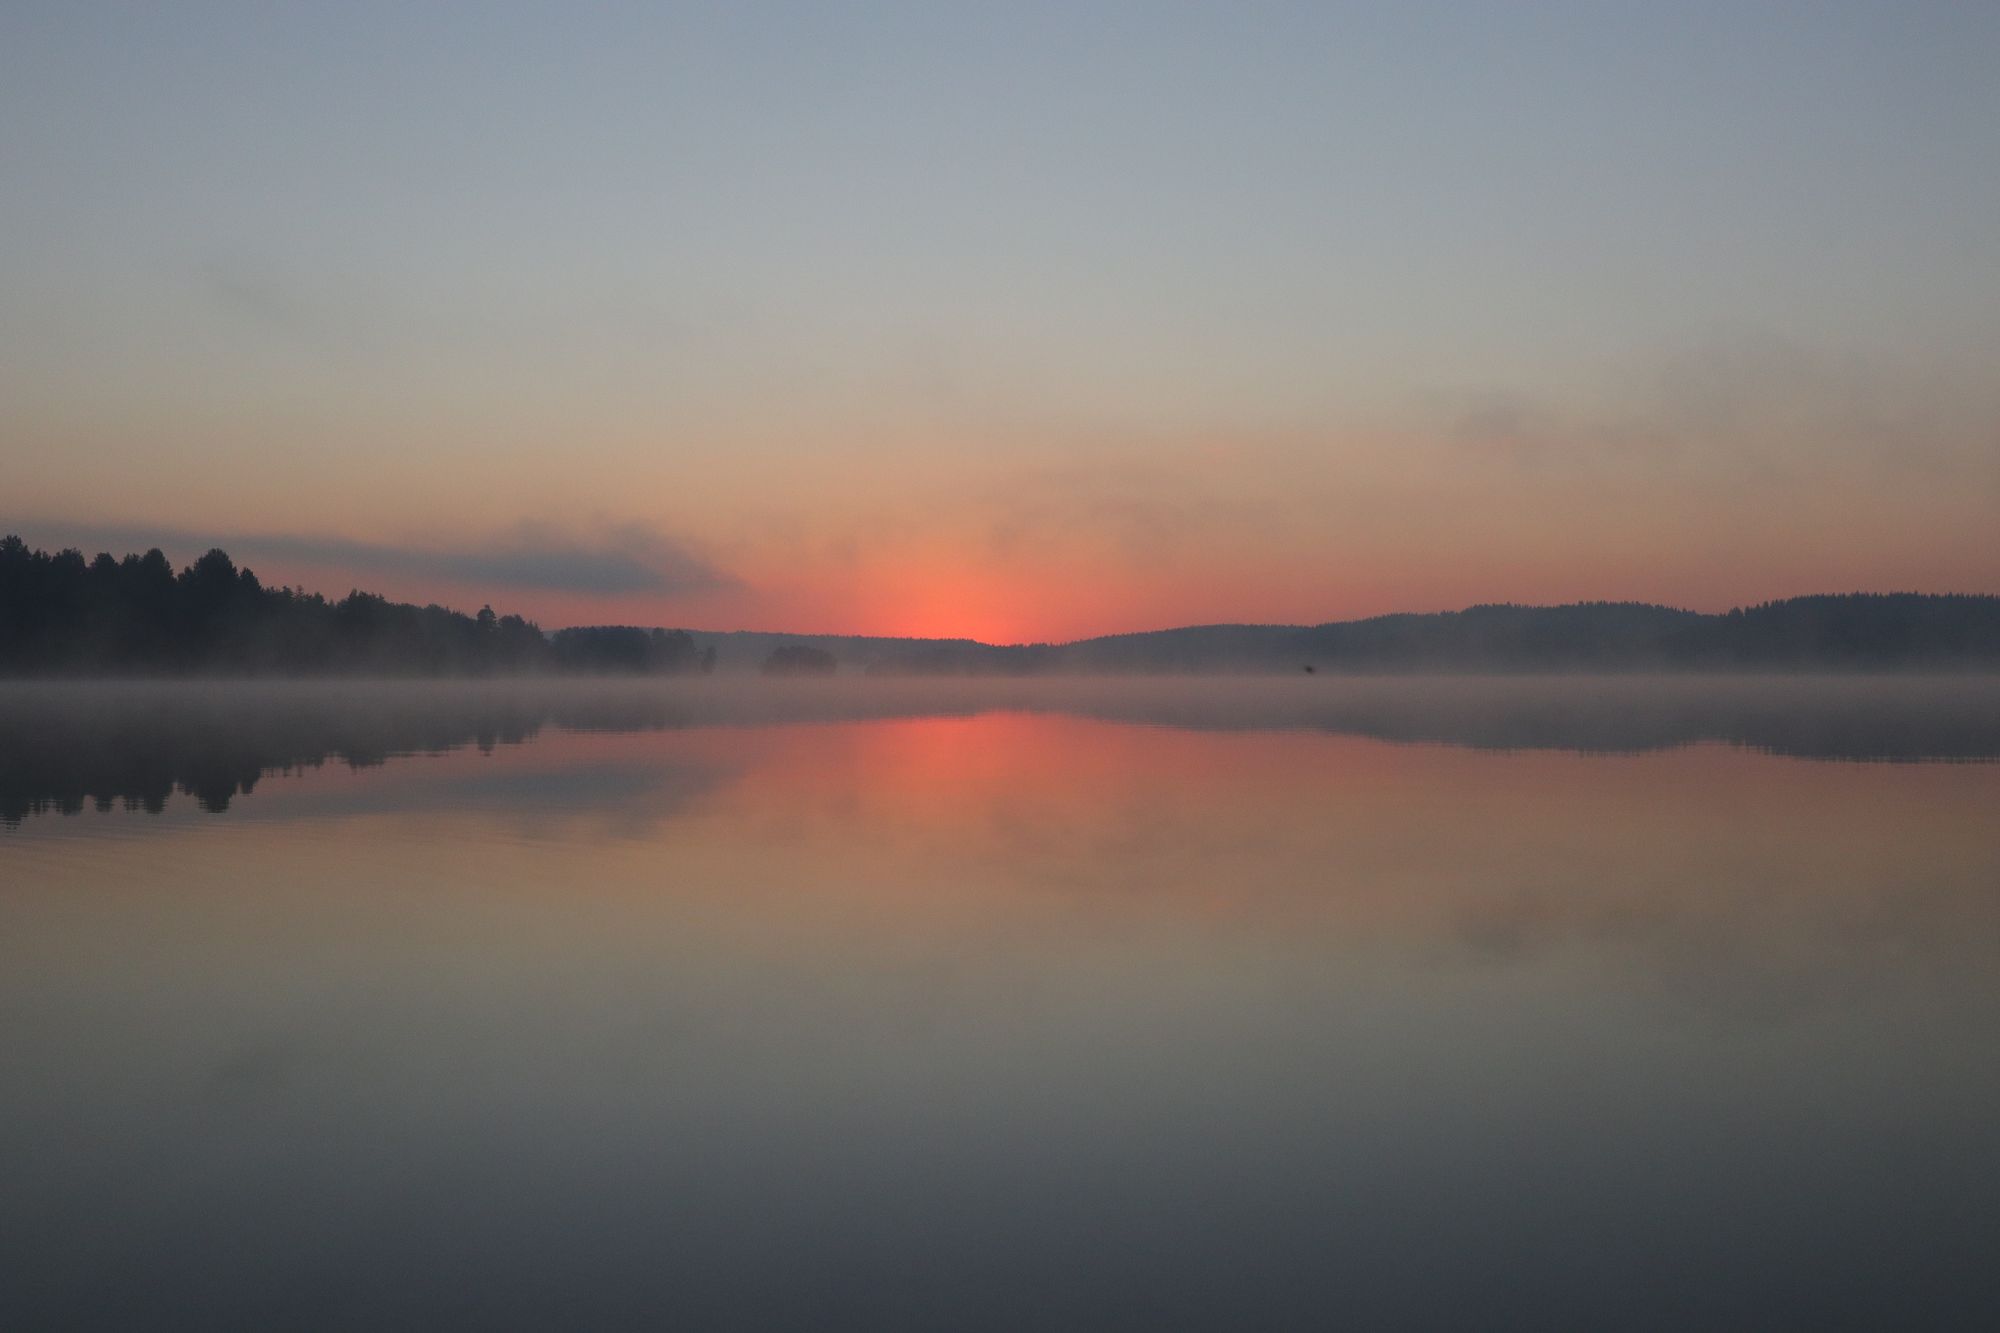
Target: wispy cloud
pixel 1740 401
pixel 1139 508
pixel 609 559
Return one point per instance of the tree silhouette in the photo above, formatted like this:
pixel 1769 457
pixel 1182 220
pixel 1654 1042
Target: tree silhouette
pixel 799 660
pixel 63 615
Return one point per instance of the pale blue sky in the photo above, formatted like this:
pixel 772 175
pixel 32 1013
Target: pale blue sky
pixel 705 250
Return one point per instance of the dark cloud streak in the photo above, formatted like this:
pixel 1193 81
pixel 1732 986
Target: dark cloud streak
pixel 613 559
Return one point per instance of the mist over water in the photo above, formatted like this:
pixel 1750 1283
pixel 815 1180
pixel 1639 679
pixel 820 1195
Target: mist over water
pixel 138 744
pixel 1303 1003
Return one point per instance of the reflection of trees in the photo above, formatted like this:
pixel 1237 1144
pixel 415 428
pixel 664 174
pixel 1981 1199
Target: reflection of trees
pixel 65 746
pixel 1824 718
pixel 108 745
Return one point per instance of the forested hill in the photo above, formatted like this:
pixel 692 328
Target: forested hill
pixel 64 615
pixel 1855 631
pixel 1858 631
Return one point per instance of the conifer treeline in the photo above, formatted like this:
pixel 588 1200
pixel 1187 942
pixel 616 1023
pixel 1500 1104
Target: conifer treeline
pixel 1901 631
pixel 61 614
pixel 64 615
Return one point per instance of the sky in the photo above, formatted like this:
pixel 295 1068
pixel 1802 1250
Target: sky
pixel 1020 322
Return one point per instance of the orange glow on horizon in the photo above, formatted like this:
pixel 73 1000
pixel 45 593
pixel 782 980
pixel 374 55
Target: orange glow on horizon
pixel 958 588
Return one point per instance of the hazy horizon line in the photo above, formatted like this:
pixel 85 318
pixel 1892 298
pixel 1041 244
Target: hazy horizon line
pixel 1277 624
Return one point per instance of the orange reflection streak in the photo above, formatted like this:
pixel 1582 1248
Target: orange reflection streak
pixel 815 841
pixel 1247 824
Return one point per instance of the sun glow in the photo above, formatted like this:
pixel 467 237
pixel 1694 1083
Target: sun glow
pixel 942 601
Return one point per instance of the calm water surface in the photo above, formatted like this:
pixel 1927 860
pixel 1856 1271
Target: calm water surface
pixel 1286 1004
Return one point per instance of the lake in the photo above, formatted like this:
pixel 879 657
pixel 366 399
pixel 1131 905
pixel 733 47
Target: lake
pixel 1311 1003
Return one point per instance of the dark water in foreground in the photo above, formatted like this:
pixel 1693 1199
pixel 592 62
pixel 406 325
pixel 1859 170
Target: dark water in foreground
pixel 1286 1004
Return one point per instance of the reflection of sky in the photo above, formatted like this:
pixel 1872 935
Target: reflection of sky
pixel 1500 852
pixel 1007 1019
pixel 1173 1015
pixel 874 1023
pixel 73 745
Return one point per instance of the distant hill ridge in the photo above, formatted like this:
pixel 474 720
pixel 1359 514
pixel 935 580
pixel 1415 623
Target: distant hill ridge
pixel 1850 631
pixel 61 614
